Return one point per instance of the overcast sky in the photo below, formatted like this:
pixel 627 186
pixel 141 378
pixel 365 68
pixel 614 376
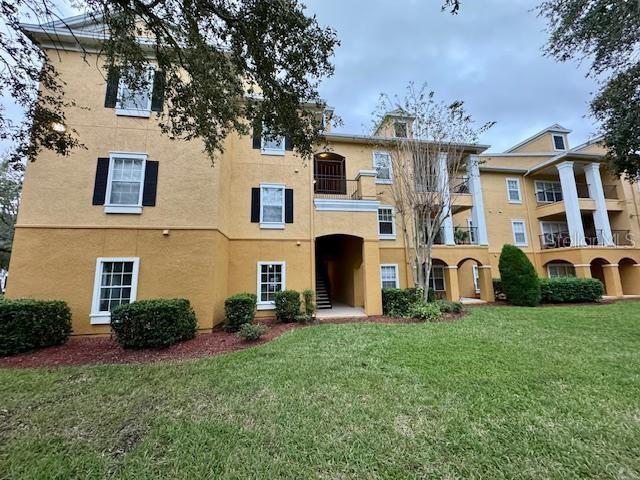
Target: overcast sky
pixel 489 55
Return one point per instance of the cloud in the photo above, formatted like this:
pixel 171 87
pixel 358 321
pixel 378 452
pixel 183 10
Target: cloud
pixel 490 56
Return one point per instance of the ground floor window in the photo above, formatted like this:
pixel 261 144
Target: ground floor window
pixel 115 283
pixel 389 276
pixel 561 270
pixel 271 279
pixel 436 279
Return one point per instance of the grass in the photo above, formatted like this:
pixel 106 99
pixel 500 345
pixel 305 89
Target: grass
pixel 503 393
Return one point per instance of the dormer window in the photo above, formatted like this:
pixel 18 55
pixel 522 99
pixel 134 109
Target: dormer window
pixel 400 129
pixel 558 142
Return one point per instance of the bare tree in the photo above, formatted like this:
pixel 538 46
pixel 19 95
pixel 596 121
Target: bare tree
pixel 429 166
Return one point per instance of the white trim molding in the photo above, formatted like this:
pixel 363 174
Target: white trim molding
pixel 272 225
pixel 396 275
pixel 519 188
pixel 392 235
pixel 98 317
pixel 524 231
pixel 383 181
pixel 337 205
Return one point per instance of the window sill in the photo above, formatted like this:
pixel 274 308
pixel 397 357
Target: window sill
pixel 384 182
pixel 123 112
pixel 272 226
pixel 266 306
pixel 123 209
pixel 515 202
pixel 102 318
pixel 275 153
pixel 387 236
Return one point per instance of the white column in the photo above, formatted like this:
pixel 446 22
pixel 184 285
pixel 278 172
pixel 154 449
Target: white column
pixel 477 211
pixel 443 188
pixel 571 203
pixel 600 216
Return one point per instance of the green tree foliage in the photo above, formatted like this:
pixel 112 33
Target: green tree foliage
pixel 11 176
pixel 224 61
pixel 519 278
pixel 606 33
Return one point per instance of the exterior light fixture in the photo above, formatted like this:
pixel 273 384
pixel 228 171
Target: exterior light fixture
pixel 58 127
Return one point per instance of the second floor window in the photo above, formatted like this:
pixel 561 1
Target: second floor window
pixel 382 165
pixel 386 225
pixel 519 232
pixel 125 182
pixel 272 205
pixel 547 192
pixel 513 190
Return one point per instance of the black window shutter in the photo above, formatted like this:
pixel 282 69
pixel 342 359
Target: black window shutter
pixel 288 145
pixel 255 205
pixel 288 205
pixel 257 134
pixel 150 184
pixel 157 95
pixel 100 185
pixel 111 96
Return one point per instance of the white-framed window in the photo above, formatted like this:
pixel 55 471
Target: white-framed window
pixel 476 279
pixel 125 182
pixel 271 206
pixel 436 279
pixel 386 223
pixel 271 279
pixel 561 270
pixel 547 192
pixel 115 283
pixel 272 145
pixel 514 194
pixel 558 142
pixel 389 276
pixel 135 102
pixel 519 233
pixel 382 165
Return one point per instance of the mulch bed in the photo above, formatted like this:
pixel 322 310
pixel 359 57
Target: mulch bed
pixel 104 350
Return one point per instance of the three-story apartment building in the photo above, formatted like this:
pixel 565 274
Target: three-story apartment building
pixel 136 215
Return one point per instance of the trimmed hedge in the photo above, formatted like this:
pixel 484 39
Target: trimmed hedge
pixel 27 324
pixel 251 332
pixel 446 306
pixel 156 323
pixel 519 278
pixel 498 289
pixel 287 305
pixel 571 290
pixel 398 302
pixel 426 312
pixel 238 310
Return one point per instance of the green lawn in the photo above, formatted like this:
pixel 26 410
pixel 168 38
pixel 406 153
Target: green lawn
pixel 502 393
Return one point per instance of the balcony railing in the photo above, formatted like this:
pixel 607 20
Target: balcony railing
pixel 336 187
pixel 459 185
pixel 461 236
pixel 592 239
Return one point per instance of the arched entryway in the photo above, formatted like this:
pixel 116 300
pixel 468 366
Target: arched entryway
pixel 597 270
pixel 629 276
pixel 437 278
pixel 469 278
pixel 339 272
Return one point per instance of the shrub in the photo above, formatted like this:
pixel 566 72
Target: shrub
pixel 446 306
pixel 519 279
pixel 571 290
pixel 287 305
pixel 251 331
pixel 498 290
pixel 309 305
pixel 27 324
pixel 426 312
pixel 238 310
pixel 397 302
pixel 155 323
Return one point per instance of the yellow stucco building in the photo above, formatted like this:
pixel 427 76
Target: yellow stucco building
pixel 136 215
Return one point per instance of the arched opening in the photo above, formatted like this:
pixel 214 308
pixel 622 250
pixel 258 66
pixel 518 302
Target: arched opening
pixel 329 174
pixel 469 278
pixel 629 276
pixel 339 271
pixel 597 270
pixel 559 268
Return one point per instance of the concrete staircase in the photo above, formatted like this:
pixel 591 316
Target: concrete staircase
pixel 323 298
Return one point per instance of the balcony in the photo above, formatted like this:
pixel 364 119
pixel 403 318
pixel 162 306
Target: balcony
pixel 620 238
pixel 550 199
pixel 461 236
pixel 336 187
